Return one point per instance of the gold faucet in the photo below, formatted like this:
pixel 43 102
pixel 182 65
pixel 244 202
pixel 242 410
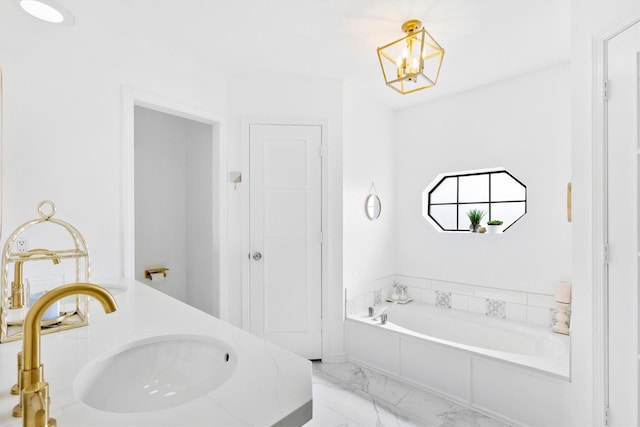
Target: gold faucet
pixel 34 396
pixel 17 288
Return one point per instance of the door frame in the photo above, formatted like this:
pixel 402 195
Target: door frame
pixel 600 220
pixel 132 97
pixel 245 217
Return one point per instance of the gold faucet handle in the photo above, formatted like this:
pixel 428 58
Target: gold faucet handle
pixel 15 389
pixel 35 404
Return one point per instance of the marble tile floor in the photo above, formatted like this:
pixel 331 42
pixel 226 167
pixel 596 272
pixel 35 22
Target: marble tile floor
pixel 347 395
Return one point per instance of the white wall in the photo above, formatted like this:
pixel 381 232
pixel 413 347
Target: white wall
pixel 589 19
pixel 201 238
pixel 63 117
pixel 523 125
pixel 174 195
pixel 369 147
pixel 282 99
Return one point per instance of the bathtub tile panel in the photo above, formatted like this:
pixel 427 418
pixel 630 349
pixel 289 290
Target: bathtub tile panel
pixel 456 288
pixel 428 296
pixel 459 302
pixel 538 316
pixel 516 312
pixel 477 305
pixel 414 293
pixel 539 300
pixel 500 294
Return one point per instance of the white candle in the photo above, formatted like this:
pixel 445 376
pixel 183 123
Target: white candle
pixel 563 292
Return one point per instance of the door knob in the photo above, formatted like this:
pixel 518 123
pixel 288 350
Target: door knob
pixel 257 256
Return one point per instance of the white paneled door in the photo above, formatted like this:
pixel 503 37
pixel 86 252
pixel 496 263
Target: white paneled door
pixel 622 225
pixel 286 236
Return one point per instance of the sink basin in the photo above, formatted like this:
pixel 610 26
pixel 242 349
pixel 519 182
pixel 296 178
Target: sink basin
pixel 155 373
pixel 115 289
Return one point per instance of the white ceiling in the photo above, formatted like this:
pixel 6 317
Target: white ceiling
pixel 484 40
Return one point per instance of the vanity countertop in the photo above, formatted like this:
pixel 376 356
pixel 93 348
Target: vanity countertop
pixel 270 386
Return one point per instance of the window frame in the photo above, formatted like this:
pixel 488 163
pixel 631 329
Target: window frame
pixel 457 175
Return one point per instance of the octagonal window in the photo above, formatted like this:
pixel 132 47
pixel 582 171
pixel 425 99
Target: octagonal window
pixel 498 194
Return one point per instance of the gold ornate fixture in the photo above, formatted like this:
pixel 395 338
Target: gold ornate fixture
pixel 413 62
pixel 14 295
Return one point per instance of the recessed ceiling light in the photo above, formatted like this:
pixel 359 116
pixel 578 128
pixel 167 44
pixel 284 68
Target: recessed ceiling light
pixel 48 11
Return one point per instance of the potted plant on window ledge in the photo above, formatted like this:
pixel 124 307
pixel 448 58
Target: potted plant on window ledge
pixel 494 226
pixel 475 216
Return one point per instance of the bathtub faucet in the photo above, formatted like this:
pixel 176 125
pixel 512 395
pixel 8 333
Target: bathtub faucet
pixel 383 311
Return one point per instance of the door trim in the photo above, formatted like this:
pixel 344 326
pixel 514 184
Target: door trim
pixel 285 121
pixel 600 219
pixel 132 97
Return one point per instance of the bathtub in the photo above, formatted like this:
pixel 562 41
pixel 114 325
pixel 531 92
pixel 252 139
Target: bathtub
pixel 513 371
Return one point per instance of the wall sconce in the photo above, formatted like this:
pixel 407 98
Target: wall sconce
pixel 413 62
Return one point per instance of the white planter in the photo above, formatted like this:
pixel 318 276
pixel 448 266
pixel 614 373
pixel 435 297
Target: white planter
pixel 494 229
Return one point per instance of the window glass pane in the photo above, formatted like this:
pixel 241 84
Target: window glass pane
pixel 508 212
pixel 445 215
pixel 474 188
pixel 446 191
pixel 464 218
pixel 505 188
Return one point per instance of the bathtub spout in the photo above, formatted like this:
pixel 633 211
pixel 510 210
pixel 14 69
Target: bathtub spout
pixel 383 319
pixel 384 310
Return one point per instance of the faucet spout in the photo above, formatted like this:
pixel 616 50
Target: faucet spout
pixel 31 328
pixel 17 287
pixel 34 388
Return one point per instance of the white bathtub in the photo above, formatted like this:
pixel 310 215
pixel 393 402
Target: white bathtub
pixel 516 372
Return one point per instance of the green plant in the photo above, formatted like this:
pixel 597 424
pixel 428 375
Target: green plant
pixel 475 216
pixel 494 222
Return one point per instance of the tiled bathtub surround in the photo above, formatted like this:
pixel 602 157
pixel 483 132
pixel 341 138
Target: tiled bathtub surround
pixel 511 305
pixel 377 297
pixel 496 308
pixel 443 299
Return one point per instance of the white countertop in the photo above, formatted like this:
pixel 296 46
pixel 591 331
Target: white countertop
pixel 268 386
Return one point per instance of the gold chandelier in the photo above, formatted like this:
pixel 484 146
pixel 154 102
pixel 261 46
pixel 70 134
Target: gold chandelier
pixel 413 62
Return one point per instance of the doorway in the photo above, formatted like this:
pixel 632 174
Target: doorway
pixel 621 112
pixel 174 209
pixel 285 229
pixel 174 206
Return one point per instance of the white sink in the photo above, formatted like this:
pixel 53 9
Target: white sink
pixel 155 373
pixel 115 289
